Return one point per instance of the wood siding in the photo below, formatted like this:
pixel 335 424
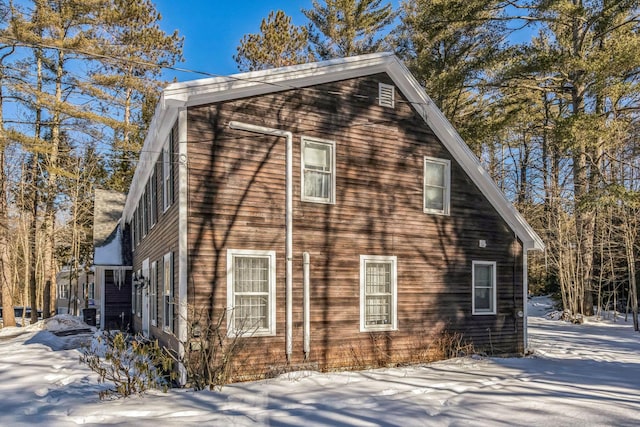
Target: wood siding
pixel 117 302
pixel 161 239
pixel 236 201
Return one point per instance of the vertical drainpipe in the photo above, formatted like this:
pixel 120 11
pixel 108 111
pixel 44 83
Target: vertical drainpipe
pixel 525 297
pixel 182 238
pixel 288 219
pixel 307 336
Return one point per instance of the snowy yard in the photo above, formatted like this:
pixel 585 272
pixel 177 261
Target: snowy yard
pixel 586 375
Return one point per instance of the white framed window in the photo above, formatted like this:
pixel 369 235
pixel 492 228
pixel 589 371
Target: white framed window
pixel 437 185
pixel 318 170
pixel 132 228
pixel 138 288
pixel 63 291
pixel 143 213
pixel 91 290
pixel 251 292
pixel 378 293
pixel 483 277
pixel 167 282
pixel 138 226
pixel 135 228
pixel 167 172
pixel 153 293
pixel 133 294
pixel 153 207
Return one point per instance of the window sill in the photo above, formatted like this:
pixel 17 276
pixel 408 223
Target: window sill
pixel 379 328
pixel 435 212
pixel 319 201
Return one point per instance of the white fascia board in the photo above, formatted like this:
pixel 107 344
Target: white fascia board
pixel 158 132
pixel 244 85
pixel 278 74
pixel 461 152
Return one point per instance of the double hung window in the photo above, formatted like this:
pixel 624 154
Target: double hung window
pixel 167 281
pixel 167 172
pixel 378 293
pixel 251 277
pixel 484 287
pixel 153 293
pixel 437 173
pixel 318 170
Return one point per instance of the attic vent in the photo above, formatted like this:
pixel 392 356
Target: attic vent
pixel 386 95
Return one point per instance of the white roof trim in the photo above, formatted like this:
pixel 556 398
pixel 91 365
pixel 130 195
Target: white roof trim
pixel 204 91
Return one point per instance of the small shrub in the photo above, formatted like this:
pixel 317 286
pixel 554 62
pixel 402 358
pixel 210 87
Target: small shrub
pixel 373 354
pixel 448 345
pixel 132 364
pixel 431 347
pixel 210 354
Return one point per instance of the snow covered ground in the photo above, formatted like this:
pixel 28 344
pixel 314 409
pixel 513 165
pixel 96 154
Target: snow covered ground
pixel 579 375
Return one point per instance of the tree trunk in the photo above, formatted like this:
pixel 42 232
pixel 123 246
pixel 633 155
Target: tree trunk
pixel 8 317
pixel 52 183
pixel 6 285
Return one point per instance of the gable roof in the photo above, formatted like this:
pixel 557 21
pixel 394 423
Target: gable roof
pixel 203 91
pixel 107 210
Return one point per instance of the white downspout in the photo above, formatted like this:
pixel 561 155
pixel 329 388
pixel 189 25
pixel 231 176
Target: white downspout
pixel 183 251
pixel 288 219
pixel 306 323
pixel 525 297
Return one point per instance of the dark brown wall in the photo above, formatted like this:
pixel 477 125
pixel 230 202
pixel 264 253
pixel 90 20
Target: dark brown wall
pixel 236 196
pixel 117 302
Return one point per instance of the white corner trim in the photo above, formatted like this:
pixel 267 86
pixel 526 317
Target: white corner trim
pixel 183 213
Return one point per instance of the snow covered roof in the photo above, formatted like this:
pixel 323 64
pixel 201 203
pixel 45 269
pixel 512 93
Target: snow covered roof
pixel 110 253
pixel 107 239
pixel 197 92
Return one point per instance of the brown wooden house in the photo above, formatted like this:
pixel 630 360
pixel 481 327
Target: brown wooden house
pixel 330 212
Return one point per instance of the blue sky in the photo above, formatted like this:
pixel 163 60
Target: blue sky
pixel 213 29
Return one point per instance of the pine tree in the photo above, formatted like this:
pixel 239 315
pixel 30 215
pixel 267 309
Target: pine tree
pixel 134 49
pixel 341 28
pixel 593 63
pixel 85 73
pixel 278 44
pixel 452 46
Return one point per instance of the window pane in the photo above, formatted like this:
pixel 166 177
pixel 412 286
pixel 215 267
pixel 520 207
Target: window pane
pixel 251 312
pixel 434 198
pixel 317 184
pixel 378 278
pixel 434 174
pixel 317 156
pixel 483 275
pixel 378 310
pixel 251 274
pixel 483 299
